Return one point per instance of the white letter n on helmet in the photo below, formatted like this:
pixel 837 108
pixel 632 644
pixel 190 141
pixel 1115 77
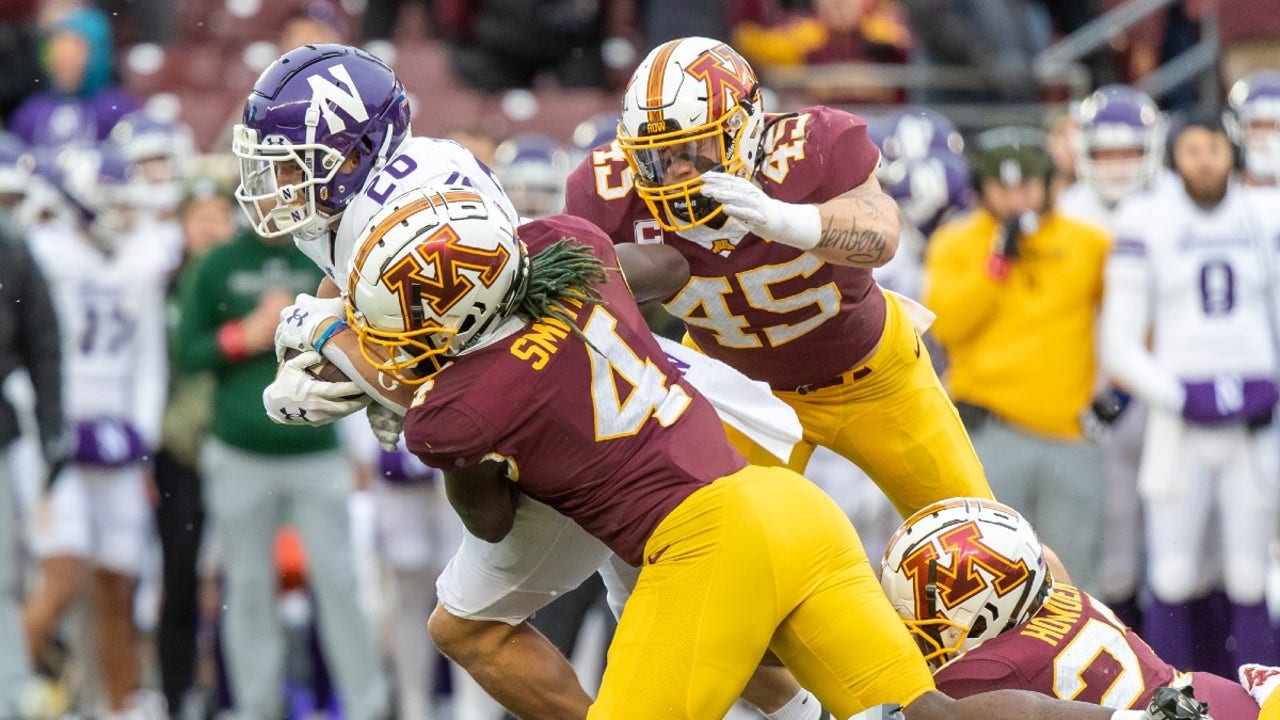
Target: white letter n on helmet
pixel 325 95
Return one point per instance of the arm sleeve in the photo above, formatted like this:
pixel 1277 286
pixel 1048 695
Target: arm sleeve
pixel 196 335
pixel 40 344
pixel 1126 318
pixel 958 287
pixel 971 675
pixel 446 436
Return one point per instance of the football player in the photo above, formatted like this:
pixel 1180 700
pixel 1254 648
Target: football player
pixel 780 220
pixel 1193 269
pixel 533 168
pixel 108 280
pixel 1252 118
pixel 969 579
pixel 1119 150
pixel 324 144
pixel 541 371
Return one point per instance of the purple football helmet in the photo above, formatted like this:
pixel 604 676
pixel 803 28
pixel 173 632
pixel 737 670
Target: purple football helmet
pixel 533 169
pixel 320 120
pixel 1252 119
pixel 29 194
pixel 915 133
pixel 1119 149
pixel 929 189
pixel 593 132
pixel 97 182
pixel 160 152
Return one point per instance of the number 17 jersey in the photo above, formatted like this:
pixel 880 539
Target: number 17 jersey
pixel 774 312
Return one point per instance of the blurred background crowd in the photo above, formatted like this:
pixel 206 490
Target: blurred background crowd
pixel 116 177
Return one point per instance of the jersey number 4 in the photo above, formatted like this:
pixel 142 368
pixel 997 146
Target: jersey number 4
pixel 626 390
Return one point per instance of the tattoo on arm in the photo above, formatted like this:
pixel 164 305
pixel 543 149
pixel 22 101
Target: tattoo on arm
pixel 861 240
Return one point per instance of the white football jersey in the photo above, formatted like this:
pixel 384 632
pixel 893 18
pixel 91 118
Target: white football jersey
pixel 1202 282
pixel 1081 202
pixel 417 162
pixel 111 315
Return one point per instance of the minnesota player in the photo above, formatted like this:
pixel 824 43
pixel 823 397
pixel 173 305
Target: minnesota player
pixel 1192 268
pixel 308 111
pixel 521 373
pixel 780 219
pixel 969 579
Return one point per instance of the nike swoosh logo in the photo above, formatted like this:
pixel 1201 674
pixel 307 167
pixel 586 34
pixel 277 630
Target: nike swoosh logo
pixel 653 556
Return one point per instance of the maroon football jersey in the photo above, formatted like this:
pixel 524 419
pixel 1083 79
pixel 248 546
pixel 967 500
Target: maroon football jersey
pixel 610 436
pixel 775 313
pixel 1074 648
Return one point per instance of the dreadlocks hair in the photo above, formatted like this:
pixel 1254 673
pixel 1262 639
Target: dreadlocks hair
pixel 566 272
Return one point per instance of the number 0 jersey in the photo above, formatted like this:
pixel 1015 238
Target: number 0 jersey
pixel 610 436
pixel 775 313
pixel 417 162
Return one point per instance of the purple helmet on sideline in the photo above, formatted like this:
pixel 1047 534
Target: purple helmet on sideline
pixel 533 169
pixel 160 152
pixel 1117 118
pixel 593 132
pixel 320 120
pixel 97 183
pixel 928 189
pixel 1252 119
pixel 914 134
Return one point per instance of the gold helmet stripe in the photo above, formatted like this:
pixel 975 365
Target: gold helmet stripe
pixel 657 74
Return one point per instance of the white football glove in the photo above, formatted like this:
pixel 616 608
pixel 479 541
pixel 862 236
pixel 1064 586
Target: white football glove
pixel 296 397
pixel 1260 680
pixel 799 226
pixel 386 425
pixel 299 321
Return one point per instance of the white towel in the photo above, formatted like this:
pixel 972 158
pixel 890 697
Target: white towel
pixel 747 405
pixel 920 316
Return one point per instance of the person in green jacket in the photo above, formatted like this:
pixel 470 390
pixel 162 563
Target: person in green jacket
pixel 259 475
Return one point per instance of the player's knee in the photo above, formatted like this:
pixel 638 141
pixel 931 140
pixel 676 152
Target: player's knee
pixel 1173 581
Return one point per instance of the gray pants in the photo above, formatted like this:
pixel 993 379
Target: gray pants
pixel 248 497
pixel 14 670
pixel 1056 484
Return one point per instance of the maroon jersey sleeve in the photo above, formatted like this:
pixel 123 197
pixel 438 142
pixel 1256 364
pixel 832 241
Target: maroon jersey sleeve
pixel 465 447
pixel 977 674
pixel 599 190
pixel 817 154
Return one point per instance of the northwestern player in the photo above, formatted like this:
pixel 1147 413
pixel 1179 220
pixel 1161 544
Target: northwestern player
pixel 969 579
pixel 539 372
pixel 1188 325
pixel 1252 118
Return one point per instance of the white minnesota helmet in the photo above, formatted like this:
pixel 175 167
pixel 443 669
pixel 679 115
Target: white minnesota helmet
pixel 434 270
pixel 962 571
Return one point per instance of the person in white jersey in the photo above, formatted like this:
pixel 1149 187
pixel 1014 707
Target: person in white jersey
pixel 1193 269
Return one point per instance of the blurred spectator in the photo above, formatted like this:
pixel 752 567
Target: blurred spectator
pixel 381 17
pixel 997 38
pixel 501 44
pixel 663 20
pixel 150 21
pixel 314 22
pixel 18 55
pixel 259 475
pixel 1016 286
pixel 207 221
pixel 82 101
pixel 28 340
pixel 777 32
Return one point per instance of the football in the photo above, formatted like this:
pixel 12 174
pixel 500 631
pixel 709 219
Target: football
pixel 323 370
